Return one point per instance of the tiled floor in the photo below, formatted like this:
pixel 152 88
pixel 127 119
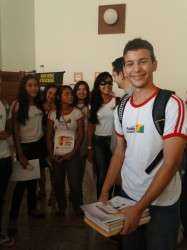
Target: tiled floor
pixel 54 233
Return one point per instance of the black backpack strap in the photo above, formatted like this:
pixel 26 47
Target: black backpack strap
pixel 121 107
pixel 158 114
pixel 159 107
pixel 155 162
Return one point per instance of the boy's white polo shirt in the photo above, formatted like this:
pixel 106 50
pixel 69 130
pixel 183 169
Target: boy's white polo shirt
pixel 144 143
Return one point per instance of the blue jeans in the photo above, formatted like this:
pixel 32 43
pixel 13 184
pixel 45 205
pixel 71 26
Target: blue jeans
pixel 159 234
pixel 102 157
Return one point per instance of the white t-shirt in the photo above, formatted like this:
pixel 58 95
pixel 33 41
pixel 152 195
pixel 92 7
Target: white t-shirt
pixel 32 131
pixel 4 146
pixel 144 143
pixel 66 122
pixel 105 116
pixel 65 127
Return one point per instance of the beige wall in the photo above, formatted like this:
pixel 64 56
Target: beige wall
pixel 17 35
pixel 67 39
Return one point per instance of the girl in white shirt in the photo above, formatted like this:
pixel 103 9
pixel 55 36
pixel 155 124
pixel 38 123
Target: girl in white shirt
pixel 64 138
pixel 28 134
pixel 101 126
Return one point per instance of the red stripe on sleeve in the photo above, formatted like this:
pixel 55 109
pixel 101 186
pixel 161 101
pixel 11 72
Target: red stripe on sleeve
pixel 175 135
pixel 182 120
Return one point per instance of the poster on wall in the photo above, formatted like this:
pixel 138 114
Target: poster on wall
pixel 51 78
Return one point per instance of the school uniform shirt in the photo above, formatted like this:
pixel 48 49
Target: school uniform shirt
pixel 32 131
pixel 66 122
pixel 144 143
pixel 4 116
pixel 105 115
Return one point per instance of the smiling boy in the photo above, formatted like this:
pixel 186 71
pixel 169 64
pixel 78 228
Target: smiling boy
pixel 138 145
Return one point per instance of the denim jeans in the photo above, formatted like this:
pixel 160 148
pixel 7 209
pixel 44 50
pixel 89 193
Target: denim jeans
pixel 102 157
pixel 5 172
pixel 159 234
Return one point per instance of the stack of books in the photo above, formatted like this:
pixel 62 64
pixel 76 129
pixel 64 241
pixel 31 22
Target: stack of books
pixel 106 218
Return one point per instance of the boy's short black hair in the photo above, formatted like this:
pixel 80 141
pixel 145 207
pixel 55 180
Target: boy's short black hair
pixel 139 43
pixel 118 65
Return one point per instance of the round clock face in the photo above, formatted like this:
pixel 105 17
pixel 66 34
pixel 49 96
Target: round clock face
pixel 110 16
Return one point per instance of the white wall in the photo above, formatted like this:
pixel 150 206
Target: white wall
pixel 66 37
pixel 17 35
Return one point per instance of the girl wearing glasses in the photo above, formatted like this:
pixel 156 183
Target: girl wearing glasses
pixel 101 126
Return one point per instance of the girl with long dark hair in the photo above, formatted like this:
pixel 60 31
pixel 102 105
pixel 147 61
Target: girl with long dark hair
pixel 101 125
pixel 28 134
pixel 64 138
pixel 81 95
pixel 49 95
pixel 49 98
pixel 81 100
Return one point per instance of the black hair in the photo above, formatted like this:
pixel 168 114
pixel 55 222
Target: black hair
pixel 44 96
pixel 58 101
pixel 76 87
pixel 118 65
pixel 96 98
pixel 139 43
pixel 23 99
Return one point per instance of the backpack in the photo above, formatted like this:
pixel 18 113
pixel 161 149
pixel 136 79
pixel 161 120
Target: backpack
pixel 158 114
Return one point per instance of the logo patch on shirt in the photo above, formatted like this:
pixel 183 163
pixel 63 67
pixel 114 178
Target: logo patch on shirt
pixel 138 128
